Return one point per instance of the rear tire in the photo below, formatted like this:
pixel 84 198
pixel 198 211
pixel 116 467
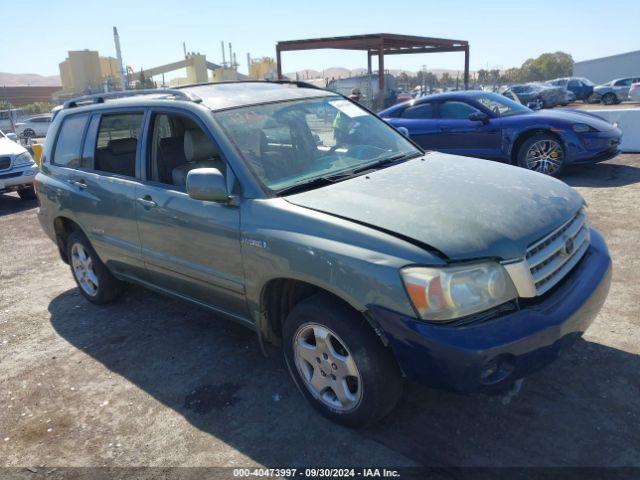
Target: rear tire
pixel 95 282
pixel 28 133
pixel 609 99
pixel 338 362
pixel 27 193
pixel 542 153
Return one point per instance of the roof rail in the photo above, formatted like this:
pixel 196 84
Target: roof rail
pixel 102 97
pixel 297 83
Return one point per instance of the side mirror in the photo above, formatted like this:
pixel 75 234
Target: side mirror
pixel 479 117
pixel 12 136
pixel 207 184
pixel 404 131
pixel 534 105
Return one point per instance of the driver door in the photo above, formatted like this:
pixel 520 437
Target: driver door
pixel 461 136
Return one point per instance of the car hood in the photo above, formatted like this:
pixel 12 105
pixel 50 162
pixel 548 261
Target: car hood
pixel 573 116
pixel 463 207
pixel 8 147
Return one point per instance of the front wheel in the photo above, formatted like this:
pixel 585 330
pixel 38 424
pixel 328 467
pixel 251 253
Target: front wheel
pixel 542 153
pixel 28 133
pixel 96 283
pixel 338 362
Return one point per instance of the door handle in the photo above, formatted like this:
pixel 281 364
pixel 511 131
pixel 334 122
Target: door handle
pixel 147 202
pixel 78 183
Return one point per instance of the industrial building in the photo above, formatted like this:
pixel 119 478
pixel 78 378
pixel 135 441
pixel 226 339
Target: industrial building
pixel 85 71
pixel 601 70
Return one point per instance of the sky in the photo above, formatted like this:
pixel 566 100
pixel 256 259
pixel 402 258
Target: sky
pixel 501 34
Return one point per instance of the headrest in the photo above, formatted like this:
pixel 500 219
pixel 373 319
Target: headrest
pixel 254 139
pixel 122 146
pixel 197 146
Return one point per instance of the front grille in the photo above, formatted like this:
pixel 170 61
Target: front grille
pixel 552 257
pixel 5 162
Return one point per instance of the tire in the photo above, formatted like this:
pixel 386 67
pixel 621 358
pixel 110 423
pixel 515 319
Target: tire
pixel 609 99
pixel 542 145
pixel 97 284
pixel 350 360
pixel 28 133
pixel 27 193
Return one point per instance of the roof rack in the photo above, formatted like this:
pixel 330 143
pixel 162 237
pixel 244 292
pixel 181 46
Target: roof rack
pixel 102 97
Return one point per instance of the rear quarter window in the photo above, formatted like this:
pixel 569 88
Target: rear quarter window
pixel 69 142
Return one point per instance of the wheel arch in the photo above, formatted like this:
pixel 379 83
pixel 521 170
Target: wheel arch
pixel 280 295
pixel 63 227
pixel 526 135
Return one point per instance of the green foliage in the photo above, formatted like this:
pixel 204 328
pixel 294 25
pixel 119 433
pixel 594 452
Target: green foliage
pixel 38 107
pixel 145 82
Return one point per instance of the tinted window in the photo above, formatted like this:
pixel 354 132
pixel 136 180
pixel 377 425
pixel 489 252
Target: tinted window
pixel 67 150
pixel 623 83
pixel 456 110
pixel 574 83
pixel 178 146
pixel 423 110
pixel 117 143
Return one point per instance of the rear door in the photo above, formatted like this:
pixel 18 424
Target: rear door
pixel 190 247
pixel 104 189
pixel 621 88
pixel 422 122
pixel 461 136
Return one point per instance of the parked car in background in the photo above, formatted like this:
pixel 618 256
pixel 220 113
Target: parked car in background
pixel 547 96
pixel 488 125
pixel 581 87
pixel 615 91
pixel 34 127
pixel 17 168
pixel 9 118
pixel 331 235
pixel 634 92
pixel 403 97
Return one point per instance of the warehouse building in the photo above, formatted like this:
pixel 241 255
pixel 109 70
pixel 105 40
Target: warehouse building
pixel 601 70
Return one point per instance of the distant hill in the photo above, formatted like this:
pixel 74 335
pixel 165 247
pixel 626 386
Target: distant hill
pixel 28 79
pixel 340 72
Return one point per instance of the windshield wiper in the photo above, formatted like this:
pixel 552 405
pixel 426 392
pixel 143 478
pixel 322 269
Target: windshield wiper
pixel 384 161
pixel 307 185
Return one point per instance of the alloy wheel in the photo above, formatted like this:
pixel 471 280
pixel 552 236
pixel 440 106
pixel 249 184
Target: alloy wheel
pixel 545 156
pixel 83 270
pixel 327 368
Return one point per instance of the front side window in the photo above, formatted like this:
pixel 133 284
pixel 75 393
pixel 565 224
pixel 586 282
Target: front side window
pixel 117 143
pixel 178 146
pixel 501 105
pixel 288 143
pixel 422 110
pixel 68 144
pixel 453 110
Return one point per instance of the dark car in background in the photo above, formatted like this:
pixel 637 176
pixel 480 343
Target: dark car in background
pixel 581 87
pixel 488 125
pixel 546 96
pixel 615 91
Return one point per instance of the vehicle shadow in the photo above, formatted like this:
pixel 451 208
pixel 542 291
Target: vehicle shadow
pixel 601 175
pixel 10 204
pixel 582 410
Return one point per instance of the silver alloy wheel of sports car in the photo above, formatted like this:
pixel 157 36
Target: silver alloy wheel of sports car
pixel 327 368
pixel 83 269
pixel 545 156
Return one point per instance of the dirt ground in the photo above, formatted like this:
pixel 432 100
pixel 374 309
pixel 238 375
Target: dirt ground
pixel 149 381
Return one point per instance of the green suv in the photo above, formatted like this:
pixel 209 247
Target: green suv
pixel 305 217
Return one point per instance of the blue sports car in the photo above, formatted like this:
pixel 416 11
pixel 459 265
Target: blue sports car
pixel 487 125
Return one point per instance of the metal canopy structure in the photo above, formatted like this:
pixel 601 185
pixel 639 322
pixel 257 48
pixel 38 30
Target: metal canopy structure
pixel 379 44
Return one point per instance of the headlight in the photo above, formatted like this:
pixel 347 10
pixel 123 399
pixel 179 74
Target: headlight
pixel 442 294
pixel 23 159
pixel 582 128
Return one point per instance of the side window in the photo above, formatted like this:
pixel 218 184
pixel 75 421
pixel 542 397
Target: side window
pixel 68 144
pixel 422 110
pixel 574 83
pixel 178 146
pixel 623 83
pixel 456 110
pixel 117 143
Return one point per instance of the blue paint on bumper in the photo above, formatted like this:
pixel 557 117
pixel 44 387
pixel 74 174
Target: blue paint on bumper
pixel 492 354
pixel 592 147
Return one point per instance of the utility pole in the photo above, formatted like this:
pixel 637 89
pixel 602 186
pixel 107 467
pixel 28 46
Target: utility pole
pixel 121 72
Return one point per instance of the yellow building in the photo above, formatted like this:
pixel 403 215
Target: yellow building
pixel 85 70
pixel 264 68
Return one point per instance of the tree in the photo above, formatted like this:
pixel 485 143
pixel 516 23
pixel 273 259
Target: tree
pixel 546 67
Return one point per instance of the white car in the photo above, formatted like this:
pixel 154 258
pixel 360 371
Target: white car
pixel 34 127
pixel 17 168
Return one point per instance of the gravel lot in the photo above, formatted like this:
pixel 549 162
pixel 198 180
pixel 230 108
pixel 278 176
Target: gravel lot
pixel 152 381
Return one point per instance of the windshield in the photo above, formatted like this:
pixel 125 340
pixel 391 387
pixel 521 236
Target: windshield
pixel 501 105
pixel 289 143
